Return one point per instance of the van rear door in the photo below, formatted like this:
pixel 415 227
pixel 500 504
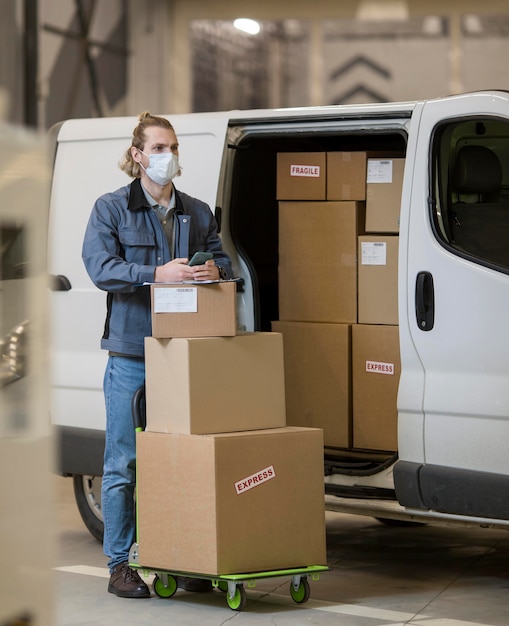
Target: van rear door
pixel 454 390
pixel 86 166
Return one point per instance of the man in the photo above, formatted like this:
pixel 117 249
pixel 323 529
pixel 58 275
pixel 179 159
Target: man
pixel 143 232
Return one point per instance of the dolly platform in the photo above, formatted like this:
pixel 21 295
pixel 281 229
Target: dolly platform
pixel 165 582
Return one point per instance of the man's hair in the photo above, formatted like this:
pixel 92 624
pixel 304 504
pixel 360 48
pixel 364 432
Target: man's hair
pixel 127 163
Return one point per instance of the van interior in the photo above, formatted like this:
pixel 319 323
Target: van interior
pixel 253 223
pixel 469 210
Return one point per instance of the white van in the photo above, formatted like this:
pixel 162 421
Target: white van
pixel 450 461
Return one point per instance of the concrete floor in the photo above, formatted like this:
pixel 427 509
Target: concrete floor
pixel 379 576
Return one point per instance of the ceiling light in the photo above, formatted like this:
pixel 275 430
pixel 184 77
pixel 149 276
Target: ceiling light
pixel 246 25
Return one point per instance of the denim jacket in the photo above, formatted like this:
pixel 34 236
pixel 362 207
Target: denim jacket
pixel 123 244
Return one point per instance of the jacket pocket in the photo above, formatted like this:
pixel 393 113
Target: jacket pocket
pixel 137 238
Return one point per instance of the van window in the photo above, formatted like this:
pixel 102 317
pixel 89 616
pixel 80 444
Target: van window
pixel 12 258
pixel 470 194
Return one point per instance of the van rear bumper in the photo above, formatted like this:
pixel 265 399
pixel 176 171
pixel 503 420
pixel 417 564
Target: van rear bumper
pixel 79 451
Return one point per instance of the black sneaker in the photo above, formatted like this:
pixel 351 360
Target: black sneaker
pixel 126 583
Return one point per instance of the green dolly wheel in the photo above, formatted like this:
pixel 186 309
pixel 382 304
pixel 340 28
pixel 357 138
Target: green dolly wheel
pixel 237 601
pixel 162 590
pixel 299 590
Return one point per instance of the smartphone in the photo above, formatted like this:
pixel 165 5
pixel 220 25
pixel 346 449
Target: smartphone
pixel 199 258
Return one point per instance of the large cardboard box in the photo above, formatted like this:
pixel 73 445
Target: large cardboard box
pixel 376 369
pixel 318 261
pixel 215 384
pixel 378 279
pixel 301 176
pixel 384 185
pixel 346 175
pixel 193 310
pixel 318 378
pixel 231 503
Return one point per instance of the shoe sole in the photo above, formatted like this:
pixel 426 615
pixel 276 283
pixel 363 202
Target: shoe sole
pixel 121 594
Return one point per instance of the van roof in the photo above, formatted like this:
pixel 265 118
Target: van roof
pixel 87 129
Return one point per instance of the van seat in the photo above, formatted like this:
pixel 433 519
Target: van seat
pixel 480 217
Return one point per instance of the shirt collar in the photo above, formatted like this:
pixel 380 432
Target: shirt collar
pixel 139 198
pixel 155 205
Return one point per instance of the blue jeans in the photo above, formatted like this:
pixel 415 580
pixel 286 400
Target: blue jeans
pixel 123 376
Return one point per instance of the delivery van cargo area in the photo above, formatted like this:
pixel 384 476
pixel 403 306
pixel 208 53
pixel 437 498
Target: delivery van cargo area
pixel 374 239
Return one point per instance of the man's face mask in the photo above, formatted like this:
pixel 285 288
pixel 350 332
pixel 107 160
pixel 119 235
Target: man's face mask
pixel 162 168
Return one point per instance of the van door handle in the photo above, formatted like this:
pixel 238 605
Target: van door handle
pixel 59 282
pixel 425 301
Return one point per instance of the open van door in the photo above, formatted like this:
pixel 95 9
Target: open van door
pixel 454 305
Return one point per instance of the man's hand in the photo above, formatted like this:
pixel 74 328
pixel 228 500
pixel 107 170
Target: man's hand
pixel 209 271
pixel 178 270
pixel 175 271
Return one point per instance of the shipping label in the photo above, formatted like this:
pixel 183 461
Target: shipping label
pixel 379 171
pixel 178 300
pixel 377 367
pixel 373 253
pixel 309 171
pixel 241 486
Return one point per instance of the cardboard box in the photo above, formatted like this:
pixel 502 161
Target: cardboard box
pixel 378 279
pixel 376 369
pixel 301 176
pixel 384 183
pixel 193 310
pixel 346 175
pixel 215 384
pixel 318 379
pixel 318 261
pixel 231 503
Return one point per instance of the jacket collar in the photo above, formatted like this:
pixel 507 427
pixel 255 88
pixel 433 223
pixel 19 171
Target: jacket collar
pixel 137 199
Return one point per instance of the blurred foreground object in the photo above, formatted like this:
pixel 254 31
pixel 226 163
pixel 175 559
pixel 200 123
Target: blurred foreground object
pixel 26 449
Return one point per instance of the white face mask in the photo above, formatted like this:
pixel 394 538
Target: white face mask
pixel 162 168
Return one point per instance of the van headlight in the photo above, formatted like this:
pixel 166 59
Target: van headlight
pixel 13 363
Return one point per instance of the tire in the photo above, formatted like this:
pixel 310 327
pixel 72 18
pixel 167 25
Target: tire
pixel 162 591
pixel 87 493
pixel 238 602
pixel 302 593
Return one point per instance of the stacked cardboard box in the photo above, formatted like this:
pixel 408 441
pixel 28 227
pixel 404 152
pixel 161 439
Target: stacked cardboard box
pixel 375 339
pixel 338 262
pixel 220 476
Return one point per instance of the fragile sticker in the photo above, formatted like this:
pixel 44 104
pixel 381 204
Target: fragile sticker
pixel 379 367
pixel 379 171
pixel 264 475
pixel 309 171
pixel 178 300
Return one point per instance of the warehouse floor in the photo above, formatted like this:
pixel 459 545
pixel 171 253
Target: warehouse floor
pixel 379 576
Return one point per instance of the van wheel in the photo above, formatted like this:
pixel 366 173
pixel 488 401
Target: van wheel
pixel 398 522
pixel 87 492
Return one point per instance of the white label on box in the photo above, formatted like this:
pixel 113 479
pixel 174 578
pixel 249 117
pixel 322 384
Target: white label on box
pixel 310 171
pixel 373 253
pixel 254 480
pixel 379 171
pixel 377 367
pixel 178 300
